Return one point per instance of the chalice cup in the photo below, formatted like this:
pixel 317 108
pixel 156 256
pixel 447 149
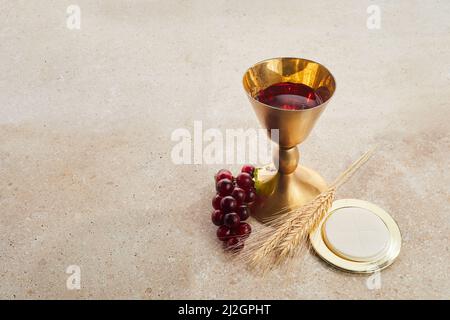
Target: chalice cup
pixel 285 185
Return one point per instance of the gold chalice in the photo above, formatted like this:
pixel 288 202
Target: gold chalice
pixel 285 184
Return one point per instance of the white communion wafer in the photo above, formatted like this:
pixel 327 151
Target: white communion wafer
pixel 356 233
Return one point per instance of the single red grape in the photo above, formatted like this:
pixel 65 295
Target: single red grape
pixel 223 233
pixel 251 196
pixel 243 212
pixel 216 202
pixel 239 195
pixel 248 168
pixel 224 187
pixel 244 180
pixel 232 220
pixel 243 230
pixel 234 244
pixel 228 204
pixel 217 217
pixel 223 174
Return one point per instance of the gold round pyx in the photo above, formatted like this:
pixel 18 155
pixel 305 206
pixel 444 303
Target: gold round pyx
pixel 382 260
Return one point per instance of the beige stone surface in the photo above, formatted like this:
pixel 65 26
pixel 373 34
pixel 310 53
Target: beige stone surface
pixel 86 118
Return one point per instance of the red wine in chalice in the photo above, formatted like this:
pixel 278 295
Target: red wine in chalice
pixel 289 96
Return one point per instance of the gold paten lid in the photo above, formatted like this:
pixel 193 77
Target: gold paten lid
pixel 357 236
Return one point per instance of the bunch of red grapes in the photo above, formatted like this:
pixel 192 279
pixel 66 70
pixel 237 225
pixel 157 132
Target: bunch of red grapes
pixel 231 206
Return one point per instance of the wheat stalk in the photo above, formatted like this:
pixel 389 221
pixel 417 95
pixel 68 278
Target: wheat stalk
pixel 285 236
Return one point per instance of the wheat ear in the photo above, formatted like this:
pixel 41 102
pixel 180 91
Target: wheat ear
pixel 287 234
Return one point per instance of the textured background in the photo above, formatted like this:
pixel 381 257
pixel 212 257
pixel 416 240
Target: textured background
pixel 86 117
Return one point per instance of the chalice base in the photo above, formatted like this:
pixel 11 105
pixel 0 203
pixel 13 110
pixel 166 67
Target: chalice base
pixel 279 193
